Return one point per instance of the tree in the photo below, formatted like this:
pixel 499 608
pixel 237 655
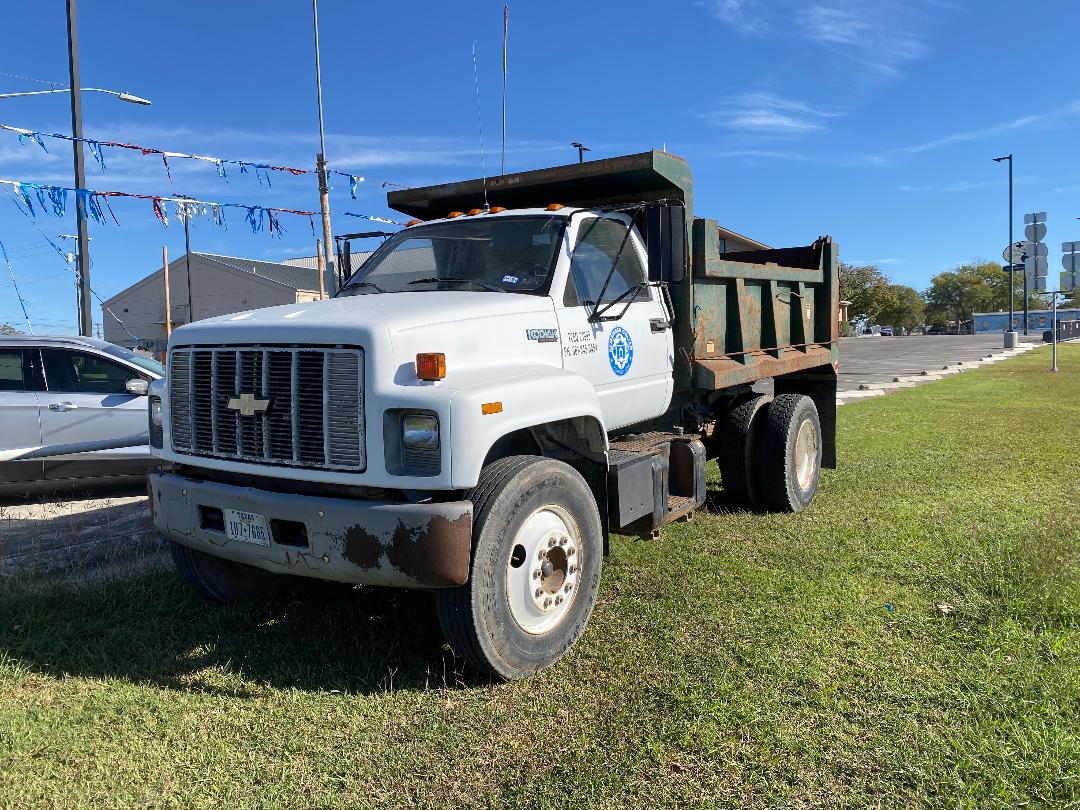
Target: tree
pixel 867 288
pixel 905 307
pixel 955 294
pixel 7 329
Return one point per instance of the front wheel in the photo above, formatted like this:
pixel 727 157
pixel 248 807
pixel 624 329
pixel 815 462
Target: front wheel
pixel 218 580
pixel 537 551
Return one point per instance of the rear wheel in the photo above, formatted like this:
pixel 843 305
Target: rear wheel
pixel 537 549
pixel 218 580
pixel 738 443
pixel 790 453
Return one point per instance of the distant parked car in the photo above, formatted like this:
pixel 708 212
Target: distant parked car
pixel 63 402
pixel 886 331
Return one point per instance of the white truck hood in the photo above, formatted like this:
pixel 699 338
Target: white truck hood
pixel 474 329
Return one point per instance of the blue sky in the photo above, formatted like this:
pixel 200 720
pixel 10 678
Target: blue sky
pixel 872 121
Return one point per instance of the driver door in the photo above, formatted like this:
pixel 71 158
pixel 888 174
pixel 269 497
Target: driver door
pixel 629 360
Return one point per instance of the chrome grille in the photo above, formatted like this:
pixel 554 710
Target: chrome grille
pixel 314 417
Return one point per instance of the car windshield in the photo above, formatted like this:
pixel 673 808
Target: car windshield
pixel 150 365
pixel 495 254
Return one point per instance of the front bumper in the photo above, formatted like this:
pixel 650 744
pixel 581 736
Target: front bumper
pixel 405 545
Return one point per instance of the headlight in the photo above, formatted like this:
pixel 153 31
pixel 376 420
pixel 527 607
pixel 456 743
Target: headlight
pixel 420 431
pixel 157 435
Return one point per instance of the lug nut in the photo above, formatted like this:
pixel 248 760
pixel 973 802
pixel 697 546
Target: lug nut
pixel 536 574
pixel 551 542
pixel 568 587
pixel 572 569
pixel 562 541
pixel 570 552
pixel 558 600
pixel 537 593
pixel 547 603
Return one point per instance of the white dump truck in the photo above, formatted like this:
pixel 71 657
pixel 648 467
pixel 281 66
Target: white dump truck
pixel 537 361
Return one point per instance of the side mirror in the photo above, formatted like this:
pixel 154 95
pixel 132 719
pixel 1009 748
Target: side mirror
pixel 137 387
pixel 665 238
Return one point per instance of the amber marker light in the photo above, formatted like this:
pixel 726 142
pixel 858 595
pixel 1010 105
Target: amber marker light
pixel 412 222
pixel 554 206
pixel 496 209
pixel 431 366
pixel 489 408
pixel 474 211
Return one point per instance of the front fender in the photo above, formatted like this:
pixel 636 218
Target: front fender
pixel 527 401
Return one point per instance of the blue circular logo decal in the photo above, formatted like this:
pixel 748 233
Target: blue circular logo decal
pixel 620 350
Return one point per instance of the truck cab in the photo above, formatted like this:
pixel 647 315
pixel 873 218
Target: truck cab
pixel 496 390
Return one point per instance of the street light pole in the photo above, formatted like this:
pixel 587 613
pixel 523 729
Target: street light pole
pixel 82 243
pixel 1010 333
pixel 320 165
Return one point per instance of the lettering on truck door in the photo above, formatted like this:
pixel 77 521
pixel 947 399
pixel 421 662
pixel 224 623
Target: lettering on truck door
pixel 629 360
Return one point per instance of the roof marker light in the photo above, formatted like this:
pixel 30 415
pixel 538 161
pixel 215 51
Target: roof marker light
pixel 554 206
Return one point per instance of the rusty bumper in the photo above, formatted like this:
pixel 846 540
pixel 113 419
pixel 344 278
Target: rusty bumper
pixel 405 545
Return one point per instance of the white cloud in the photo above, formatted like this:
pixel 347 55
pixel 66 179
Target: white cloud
pixel 880 37
pixel 1072 108
pixel 765 113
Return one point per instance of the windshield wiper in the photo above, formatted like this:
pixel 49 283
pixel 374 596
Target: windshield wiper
pixel 436 279
pixel 357 284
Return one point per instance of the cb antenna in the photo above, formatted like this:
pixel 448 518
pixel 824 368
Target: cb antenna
pixel 480 123
pixel 506 27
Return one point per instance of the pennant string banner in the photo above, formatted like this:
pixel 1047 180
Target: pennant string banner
pixel 262 170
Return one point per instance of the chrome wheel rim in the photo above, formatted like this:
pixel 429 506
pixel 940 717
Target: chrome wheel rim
pixel 543 571
pixel 806 450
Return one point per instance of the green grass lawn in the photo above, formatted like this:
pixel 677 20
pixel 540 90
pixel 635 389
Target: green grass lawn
pixel 911 639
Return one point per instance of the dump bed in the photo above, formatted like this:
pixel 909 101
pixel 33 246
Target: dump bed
pixel 739 317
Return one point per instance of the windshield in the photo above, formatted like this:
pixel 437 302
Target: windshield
pixel 497 254
pixel 152 366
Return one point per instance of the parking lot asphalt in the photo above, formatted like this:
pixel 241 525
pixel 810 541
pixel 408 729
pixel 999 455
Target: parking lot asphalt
pixel 875 363
pixel 78 541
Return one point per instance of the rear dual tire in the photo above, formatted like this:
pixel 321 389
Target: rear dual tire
pixel 771 452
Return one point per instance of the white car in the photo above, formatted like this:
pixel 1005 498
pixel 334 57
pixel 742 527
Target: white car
pixel 72 411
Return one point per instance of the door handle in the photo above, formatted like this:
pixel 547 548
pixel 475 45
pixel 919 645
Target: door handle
pixel 658 324
pixel 63 406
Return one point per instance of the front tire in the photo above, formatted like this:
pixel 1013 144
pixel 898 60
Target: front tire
pixel 535 574
pixel 217 580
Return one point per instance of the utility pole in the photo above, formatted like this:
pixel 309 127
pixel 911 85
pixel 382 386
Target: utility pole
pixel 82 252
pixel 168 304
pixel 187 254
pixel 320 163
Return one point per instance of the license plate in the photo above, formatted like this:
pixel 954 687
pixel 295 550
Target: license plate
pixel 247 527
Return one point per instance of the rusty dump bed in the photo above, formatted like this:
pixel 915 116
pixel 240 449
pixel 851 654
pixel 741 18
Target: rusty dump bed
pixel 740 317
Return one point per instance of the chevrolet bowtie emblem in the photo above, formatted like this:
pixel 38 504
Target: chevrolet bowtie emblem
pixel 247 405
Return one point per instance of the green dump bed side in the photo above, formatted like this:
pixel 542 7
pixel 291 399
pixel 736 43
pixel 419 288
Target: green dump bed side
pixel 739 317
pixel 761 313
